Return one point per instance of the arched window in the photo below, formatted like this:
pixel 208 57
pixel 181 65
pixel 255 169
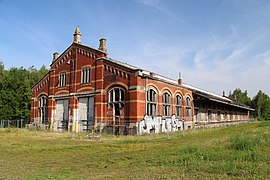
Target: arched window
pixel 43 107
pixel 166 104
pixel 188 107
pixel 62 79
pixel 85 75
pixel 151 102
pixel 116 100
pixel 178 105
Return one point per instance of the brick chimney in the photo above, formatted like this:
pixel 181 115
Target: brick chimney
pixel 102 45
pixel 55 56
pixel 180 80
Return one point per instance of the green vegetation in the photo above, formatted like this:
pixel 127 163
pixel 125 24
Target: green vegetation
pixel 236 152
pixel 15 91
pixel 260 103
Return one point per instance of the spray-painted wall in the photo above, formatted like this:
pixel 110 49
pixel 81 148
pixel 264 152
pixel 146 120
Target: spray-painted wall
pixel 157 125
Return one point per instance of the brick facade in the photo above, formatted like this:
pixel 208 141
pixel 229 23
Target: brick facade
pixel 85 89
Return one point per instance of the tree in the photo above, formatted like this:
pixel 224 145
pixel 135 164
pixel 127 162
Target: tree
pixel 241 97
pixel 261 104
pixel 15 90
pixel 35 75
pixel 1 67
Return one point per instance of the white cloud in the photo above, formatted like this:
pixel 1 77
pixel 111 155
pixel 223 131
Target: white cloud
pixel 218 64
pixel 156 4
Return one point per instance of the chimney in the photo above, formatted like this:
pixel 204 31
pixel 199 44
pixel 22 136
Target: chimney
pixel 152 74
pixel 180 81
pixel 55 56
pixel 77 36
pixel 102 45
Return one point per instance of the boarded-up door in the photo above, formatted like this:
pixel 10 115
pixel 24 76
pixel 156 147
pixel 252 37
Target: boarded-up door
pixel 86 113
pixel 62 115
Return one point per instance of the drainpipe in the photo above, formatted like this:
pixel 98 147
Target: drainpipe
pixel 95 120
pixel 146 83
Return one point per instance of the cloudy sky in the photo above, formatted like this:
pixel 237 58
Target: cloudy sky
pixel 216 44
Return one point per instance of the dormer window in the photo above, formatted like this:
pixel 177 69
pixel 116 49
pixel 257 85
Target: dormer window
pixel 86 76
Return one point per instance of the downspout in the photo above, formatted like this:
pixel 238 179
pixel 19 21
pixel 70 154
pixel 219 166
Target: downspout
pixel 95 88
pixel 75 119
pixel 73 86
pixel 146 84
pixel 75 112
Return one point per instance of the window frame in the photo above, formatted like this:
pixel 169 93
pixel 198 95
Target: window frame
pixel 116 99
pixel 86 75
pixel 188 107
pixel 178 105
pixel 151 102
pixel 43 108
pixel 166 104
pixel 62 79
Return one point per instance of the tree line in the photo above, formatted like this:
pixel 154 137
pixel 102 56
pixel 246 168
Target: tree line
pixel 260 103
pixel 16 83
pixel 15 90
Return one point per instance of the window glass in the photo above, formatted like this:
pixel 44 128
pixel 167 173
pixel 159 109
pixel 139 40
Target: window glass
pixel 62 80
pixel 43 108
pixel 85 75
pixel 188 107
pixel 116 100
pixel 166 98
pixel 151 102
pixel 178 106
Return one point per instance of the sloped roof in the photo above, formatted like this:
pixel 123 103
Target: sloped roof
pixel 198 91
pixel 218 98
pixel 211 96
pixel 126 65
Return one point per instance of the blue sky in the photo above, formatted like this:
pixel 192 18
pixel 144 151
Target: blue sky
pixel 216 45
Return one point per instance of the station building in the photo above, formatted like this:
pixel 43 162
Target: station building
pixel 86 90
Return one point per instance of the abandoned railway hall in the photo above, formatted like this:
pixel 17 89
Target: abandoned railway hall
pixel 85 90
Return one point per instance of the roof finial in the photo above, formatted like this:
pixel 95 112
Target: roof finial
pixel 77 35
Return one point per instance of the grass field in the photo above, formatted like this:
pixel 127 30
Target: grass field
pixel 236 152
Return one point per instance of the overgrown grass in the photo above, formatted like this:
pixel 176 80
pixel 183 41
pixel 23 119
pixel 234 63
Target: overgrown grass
pixel 237 152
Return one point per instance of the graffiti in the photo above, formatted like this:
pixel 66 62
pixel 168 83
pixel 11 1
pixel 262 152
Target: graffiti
pixel 156 124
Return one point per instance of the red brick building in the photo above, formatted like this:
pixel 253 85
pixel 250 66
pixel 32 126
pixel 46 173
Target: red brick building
pixel 86 89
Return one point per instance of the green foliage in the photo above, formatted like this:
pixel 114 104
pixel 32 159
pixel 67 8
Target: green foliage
pixel 261 104
pixel 15 91
pixel 241 97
